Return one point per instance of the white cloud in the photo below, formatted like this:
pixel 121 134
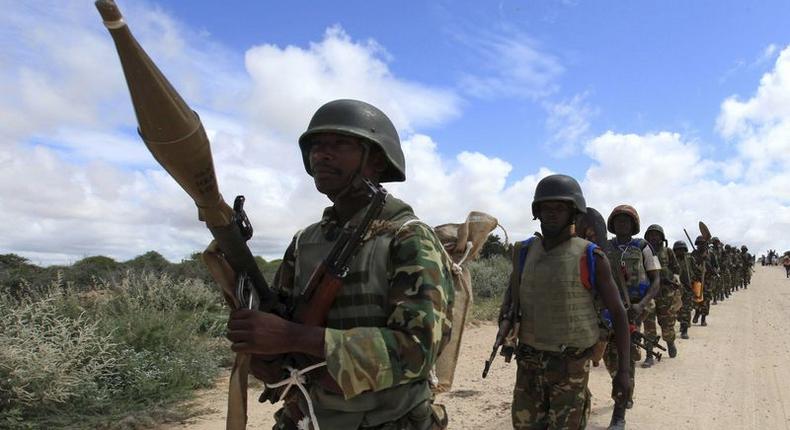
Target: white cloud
pixel 568 123
pixel 761 125
pixel 290 83
pixel 516 66
pixel 73 183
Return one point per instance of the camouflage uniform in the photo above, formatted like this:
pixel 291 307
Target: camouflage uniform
pixel 551 390
pixel 711 269
pixel 386 327
pixel 748 262
pixel 558 327
pixel 635 287
pixel 664 299
pixel 691 270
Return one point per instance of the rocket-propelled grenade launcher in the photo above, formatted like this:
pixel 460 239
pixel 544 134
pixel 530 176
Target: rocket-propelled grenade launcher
pixel 176 138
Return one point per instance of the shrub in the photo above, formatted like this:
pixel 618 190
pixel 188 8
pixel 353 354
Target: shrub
pixel 490 276
pixel 69 357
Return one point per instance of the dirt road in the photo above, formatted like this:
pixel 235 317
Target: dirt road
pixel 732 374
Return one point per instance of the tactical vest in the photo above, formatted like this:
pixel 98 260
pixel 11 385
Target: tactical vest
pixel 628 266
pixel 362 302
pixel 557 311
pixel 686 273
pixel 663 258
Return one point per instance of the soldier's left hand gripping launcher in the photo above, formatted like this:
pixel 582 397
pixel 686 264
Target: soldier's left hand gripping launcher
pixel 175 136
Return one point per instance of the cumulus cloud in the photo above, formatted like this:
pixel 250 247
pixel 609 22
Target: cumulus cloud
pixel 76 181
pixel 84 184
pixel 760 125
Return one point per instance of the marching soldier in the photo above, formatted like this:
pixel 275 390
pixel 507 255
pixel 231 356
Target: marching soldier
pixel 636 270
pixel 391 318
pixel 705 256
pixel 691 271
pixel 557 281
pixel 666 296
pixel 748 263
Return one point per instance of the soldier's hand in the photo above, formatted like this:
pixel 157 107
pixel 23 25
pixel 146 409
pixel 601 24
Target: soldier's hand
pixel 257 332
pixel 621 386
pixel 637 309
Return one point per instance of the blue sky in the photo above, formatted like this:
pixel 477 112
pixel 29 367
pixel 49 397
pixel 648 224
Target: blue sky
pixel 641 66
pixel 680 108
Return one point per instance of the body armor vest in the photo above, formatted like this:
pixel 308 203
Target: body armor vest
pixel 628 268
pixel 557 311
pixel 362 302
pixel 666 271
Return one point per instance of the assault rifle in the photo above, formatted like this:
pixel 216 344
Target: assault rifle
pixel 175 137
pixel 646 342
pixel 504 329
pixel 312 306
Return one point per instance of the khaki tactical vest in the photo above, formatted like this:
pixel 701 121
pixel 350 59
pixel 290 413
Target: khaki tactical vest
pixel 362 302
pixel 557 311
pixel 628 268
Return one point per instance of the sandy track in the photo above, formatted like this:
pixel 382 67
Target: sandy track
pixel 733 374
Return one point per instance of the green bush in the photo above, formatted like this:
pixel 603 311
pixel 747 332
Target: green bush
pixel 490 278
pixel 70 356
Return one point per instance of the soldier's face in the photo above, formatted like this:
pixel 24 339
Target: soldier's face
pixel 653 237
pixel 622 225
pixel 554 216
pixel 334 159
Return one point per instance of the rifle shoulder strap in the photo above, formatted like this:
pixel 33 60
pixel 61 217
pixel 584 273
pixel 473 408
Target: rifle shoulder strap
pixel 520 250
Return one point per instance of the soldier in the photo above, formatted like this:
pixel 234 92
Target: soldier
pixel 724 278
pixel 748 263
pixel 391 318
pixel 557 279
pixel 705 255
pixel 666 295
pixel 636 270
pixel 690 272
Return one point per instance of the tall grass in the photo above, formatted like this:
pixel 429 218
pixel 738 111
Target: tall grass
pixel 77 357
pixel 490 277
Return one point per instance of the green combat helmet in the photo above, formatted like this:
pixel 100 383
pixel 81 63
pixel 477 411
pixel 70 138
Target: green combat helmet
pixel 362 120
pixel 658 228
pixel 699 241
pixel 680 245
pixel 559 187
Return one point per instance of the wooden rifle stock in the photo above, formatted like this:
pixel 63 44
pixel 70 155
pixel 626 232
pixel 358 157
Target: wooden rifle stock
pixel 324 286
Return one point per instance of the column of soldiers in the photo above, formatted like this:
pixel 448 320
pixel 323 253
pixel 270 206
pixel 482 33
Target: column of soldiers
pixel 574 297
pixel 654 282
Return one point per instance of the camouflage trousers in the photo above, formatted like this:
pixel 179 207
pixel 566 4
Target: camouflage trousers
pixel 707 293
pixel 663 311
pixel 551 390
pixel 684 315
pixel 610 359
pixel 425 416
pixel 747 277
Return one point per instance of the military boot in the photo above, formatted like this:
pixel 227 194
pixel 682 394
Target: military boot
pixel 618 419
pixel 696 316
pixel 672 349
pixel 684 331
pixel 649 362
pixel 702 322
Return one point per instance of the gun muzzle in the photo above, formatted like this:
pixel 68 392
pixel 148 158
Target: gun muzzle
pixel 172 132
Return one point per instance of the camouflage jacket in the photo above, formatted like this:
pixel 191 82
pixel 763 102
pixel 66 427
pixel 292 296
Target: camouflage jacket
pixel 691 268
pixel 403 346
